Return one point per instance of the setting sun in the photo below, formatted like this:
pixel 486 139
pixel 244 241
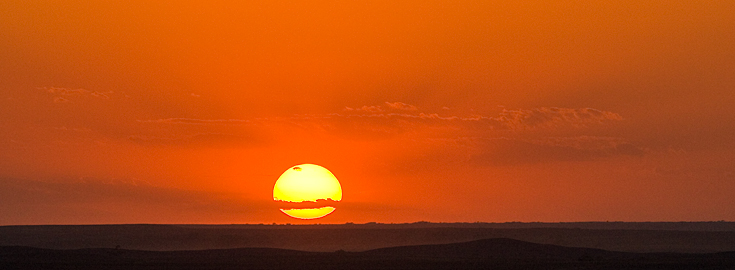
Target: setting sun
pixel 303 190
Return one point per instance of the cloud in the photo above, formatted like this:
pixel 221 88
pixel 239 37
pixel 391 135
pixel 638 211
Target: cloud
pixel 64 128
pixel 100 95
pixel 583 142
pixel 60 100
pixel 507 119
pixel 370 109
pixel 307 204
pixel 552 116
pixel 202 139
pixel 446 153
pixel 65 91
pixel 193 121
pixel 374 122
pixel 401 106
pixel 62 95
pixel 517 120
pixel 509 151
pixel 397 118
pixel 377 123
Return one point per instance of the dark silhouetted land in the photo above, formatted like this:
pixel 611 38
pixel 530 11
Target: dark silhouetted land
pixel 684 237
pixel 499 253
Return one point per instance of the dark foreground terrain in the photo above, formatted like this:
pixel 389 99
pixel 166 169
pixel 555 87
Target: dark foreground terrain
pixel 645 237
pixel 497 253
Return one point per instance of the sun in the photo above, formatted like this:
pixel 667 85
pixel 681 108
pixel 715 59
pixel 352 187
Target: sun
pixel 307 191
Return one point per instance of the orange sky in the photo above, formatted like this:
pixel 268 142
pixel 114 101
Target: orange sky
pixel 188 111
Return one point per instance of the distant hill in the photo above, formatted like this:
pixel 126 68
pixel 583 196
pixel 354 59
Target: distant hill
pixel 355 237
pixel 498 253
pixel 496 248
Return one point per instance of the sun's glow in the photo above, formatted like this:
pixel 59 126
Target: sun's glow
pixel 307 183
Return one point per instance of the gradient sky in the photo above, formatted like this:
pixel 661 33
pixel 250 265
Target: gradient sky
pixel 445 111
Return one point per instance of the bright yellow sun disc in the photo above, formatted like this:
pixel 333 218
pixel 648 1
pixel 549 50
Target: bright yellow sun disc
pixel 307 183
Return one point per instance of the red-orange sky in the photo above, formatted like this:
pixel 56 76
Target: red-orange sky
pixel 493 111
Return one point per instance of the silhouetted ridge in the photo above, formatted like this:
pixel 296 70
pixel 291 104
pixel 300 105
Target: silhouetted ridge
pixel 496 253
pixel 358 237
pixel 495 248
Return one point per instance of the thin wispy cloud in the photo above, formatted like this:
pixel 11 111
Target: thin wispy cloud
pixel 401 106
pixel 199 139
pixel 63 94
pixel 375 122
pixel 514 151
pixel 518 119
pixel 194 121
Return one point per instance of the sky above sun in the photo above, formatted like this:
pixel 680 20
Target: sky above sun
pixel 444 111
